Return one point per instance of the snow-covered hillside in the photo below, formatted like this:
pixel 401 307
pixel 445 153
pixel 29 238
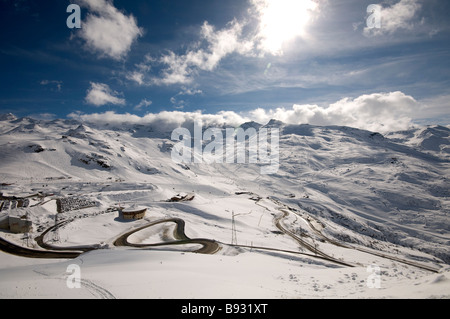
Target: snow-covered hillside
pixel 344 201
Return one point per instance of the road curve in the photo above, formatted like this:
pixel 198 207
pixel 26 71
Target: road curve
pixel 14 249
pixel 208 246
pixel 52 252
pixel 304 243
pixel 80 249
pixel 310 247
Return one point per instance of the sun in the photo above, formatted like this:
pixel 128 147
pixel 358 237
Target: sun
pixel 282 20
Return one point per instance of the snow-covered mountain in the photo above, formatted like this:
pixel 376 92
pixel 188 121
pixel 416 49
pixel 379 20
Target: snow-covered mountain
pixel 356 197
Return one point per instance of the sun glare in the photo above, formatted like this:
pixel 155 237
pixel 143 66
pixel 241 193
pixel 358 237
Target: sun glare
pixel 283 20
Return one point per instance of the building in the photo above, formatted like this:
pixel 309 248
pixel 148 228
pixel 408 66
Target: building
pixel 133 212
pixel 4 221
pixel 182 198
pixel 17 224
pixel 20 224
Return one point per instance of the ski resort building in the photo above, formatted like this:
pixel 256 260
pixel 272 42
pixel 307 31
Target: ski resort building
pixel 15 224
pixel 134 212
pixel 182 198
pixel 19 224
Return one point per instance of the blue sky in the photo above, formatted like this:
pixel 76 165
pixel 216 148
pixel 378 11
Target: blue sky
pixel 314 61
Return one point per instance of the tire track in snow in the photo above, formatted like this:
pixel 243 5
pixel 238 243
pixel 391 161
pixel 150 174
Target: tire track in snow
pixel 96 290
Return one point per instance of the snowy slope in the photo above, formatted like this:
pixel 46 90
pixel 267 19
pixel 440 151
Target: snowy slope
pixel 342 200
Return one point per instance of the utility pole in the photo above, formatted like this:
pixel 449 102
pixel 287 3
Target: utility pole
pixel 233 229
pixel 56 238
pixel 26 239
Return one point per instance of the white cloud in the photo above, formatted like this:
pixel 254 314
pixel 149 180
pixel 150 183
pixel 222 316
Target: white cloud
pixel 136 76
pixel 100 94
pixel 189 91
pixel 380 112
pixel 375 112
pixel 43 116
pixel 108 31
pixel 142 104
pixel 397 16
pixel 278 21
pixel 141 69
pixel 57 84
pixel 177 103
pixel 205 56
pixel 435 110
pixel 163 121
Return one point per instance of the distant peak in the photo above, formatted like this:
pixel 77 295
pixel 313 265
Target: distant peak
pixel 274 123
pixel 82 128
pixel 8 117
pixel 80 132
pixel 250 124
pixel 435 130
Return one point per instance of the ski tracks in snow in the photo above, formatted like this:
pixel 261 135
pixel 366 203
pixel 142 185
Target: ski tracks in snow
pixel 96 290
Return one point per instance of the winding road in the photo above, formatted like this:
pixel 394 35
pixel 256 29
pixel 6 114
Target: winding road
pixel 208 246
pixel 51 251
pixel 311 247
pixel 287 210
